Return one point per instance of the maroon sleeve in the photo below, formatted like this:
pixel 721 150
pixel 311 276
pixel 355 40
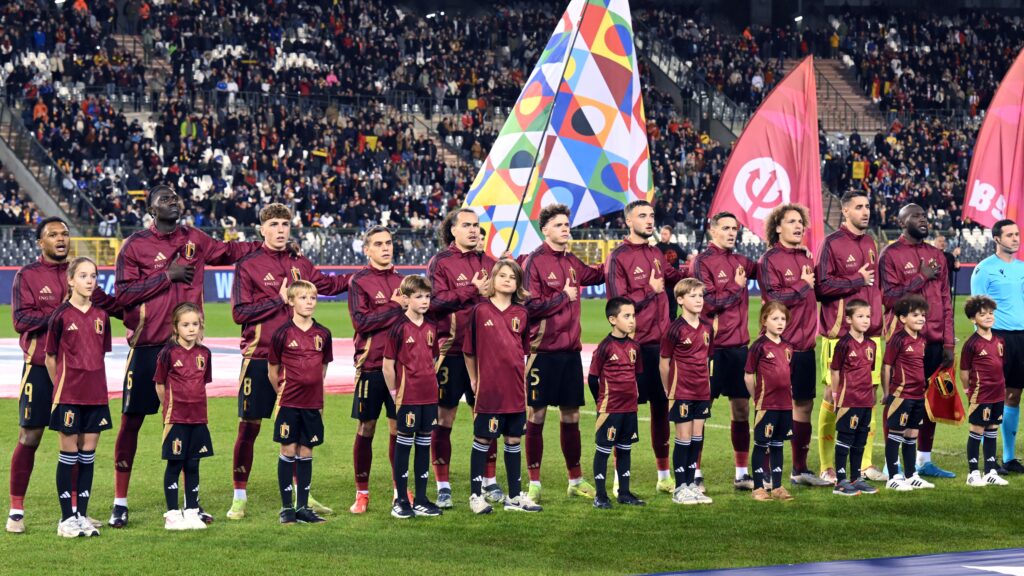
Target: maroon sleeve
pixel 892 348
pixel 615 277
pixel 392 344
pixel 28 317
pixel 874 355
pixel 829 285
pixel 469 340
pixel 597 360
pixel 222 253
pixel 132 286
pixel 368 317
pixel 668 341
pixel 753 357
pixel 246 308
pixel 525 334
pixel 208 376
pixel 328 346
pixel 107 303
pixel 54 332
pixel 160 375
pixel 639 367
pixel 587 275
pixel 435 348
pixel 445 298
pixel 774 286
pixel 327 285
pixel 890 281
pixel 277 345
pixel 967 355
pixel 108 344
pixel 715 300
pixel 839 355
pixel 537 306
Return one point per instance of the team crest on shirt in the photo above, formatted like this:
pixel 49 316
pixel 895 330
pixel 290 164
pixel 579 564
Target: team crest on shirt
pixel 903 419
pixel 492 425
pixel 611 433
pixel 410 419
pixel 430 338
pixel 318 343
pixel 768 429
pixel 789 355
pixel 684 410
pixel 854 421
pixel 190 250
pixel 296 275
pixel 201 362
pixel 98 324
pixel 515 325
pixel 69 418
pixel 999 347
pixel 572 275
pixel 986 414
pixel 871 255
pixel 176 447
pixel 285 431
pixel 707 338
pixel 632 356
pixel 870 353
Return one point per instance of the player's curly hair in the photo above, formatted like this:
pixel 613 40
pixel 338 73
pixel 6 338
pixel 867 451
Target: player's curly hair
pixel 274 211
pixel 549 212
pixel 977 304
pixel 521 293
pixel 775 219
pixel 445 232
pixel 910 303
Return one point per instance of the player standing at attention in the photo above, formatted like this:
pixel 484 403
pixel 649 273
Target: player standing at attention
pixel 787 276
pixel 409 355
pixel 981 369
pixel 183 369
pixel 76 340
pixel 846 271
pixel 1000 277
pixel 300 351
pixel 39 289
pixel 260 305
pixel 686 349
pixel 638 271
pixel 554 370
pixel 497 341
pixel 457 277
pixel 725 274
pixel 157 269
pixel 614 369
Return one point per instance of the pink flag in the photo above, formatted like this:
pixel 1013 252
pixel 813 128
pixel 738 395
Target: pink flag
pixel 995 183
pixel 776 160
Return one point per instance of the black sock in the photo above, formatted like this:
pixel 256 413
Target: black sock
pixel 696 447
pixel 760 450
pixel 601 468
pixel 973 450
pixel 86 467
pixel 477 462
pixel 989 450
pixel 892 452
pixel 623 460
pixel 421 466
pixel 844 444
pixel 860 440
pixel 303 480
pixel 65 464
pixel 680 460
pixel 285 469
pixel 909 456
pixel 776 460
pixel 171 474
pixel 191 484
pixel 403 448
pixel 513 468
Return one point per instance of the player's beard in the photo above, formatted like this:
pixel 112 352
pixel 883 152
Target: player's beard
pixel 916 233
pixel 643 233
pixel 57 257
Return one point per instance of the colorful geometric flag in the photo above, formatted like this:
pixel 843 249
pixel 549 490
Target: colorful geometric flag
pixel 776 159
pixel 577 135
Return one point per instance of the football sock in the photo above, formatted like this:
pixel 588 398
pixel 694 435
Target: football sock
pixel 740 446
pixel 65 461
pixel 826 435
pixel 622 464
pixel 191 484
pixel 477 463
pixel 571 448
pixel 973 449
pixel 1011 418
pixel 680 461
pixel 989 450
pixel 776 460
pixel 124 452
pixel 22 462
pixel 857 455
pixel 601 455
pixel 83 488
pixel 801 444
pixel 761 452
pixel 400 467
pixel 925 437
pixel 491 468
pixel 660 434
pixel 171 474
pixel 362 456
pixel 869 442
pixel 893 441
pixel 513 468
pixel 441 452
pixel 242 457
pixel 285 465
pixel 421 466
pixel 844 444
pixel 304 480
pixel 696 449
pixel 909 456
pixel 534 449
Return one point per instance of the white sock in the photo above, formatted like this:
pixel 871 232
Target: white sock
pixel 923 457
pixel 536 483
pixel 362 491
pixel 121 502
pixel 662 474
pixel 443 485
pixel 573 481
pixel 698 474
pixel 240 494
pixel 15 511
pixel 490 481
pixel 740 472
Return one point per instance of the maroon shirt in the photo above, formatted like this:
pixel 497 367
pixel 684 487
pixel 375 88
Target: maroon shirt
pixel 414 349
pixel 616 363
pixel 899 263
pixel 301 356
pixel 453 294
pixel 855 361
pixel 143 288
pixel 79 340
pixel 983 360
pixel 628 274
pixel 39 289
pixel 838 280
pixel 185 373
pixel 905 354
pixel 690 350
pixel 554 319
pixel 725 302
pixel 373 314
pixel 500 341
pixel 779 277
pixel 769 363
pixel 256 301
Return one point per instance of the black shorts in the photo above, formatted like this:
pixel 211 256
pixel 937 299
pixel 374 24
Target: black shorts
pixel 727 373
pixel 303 426
pixel 772 425
pixel 256 397
pixel 989 414
pixel 803 375
pixel 73 419
pixel 648 383
pixel 453 382
pixel 417 419
pixel 186 442
pixel 34 397
pixel 491 426
pixel 686 410
pixel 1013 357
pixel 371 395
pixel 904 413
pixel 620 428
pixel 554 379
pixel 853 421
pixel 138 389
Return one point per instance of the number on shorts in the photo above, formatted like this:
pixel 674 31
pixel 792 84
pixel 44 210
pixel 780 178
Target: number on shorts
pixel 444 376
pixel 534 377
pixel 247 386
pixel 130 372
pixel 28 391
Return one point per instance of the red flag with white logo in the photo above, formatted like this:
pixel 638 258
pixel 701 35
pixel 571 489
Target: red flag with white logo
pixel 995 183
pixel 776 159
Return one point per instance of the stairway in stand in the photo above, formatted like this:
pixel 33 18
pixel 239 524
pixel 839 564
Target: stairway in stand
pixel 842 105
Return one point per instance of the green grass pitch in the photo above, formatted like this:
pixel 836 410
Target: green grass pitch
pixel 569 536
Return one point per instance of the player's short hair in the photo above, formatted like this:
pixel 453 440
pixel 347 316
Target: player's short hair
pixel 182 309
pixel 614 306
pixel 687 285
pixel 773 306
pixel 45 221
pixel 275 211
pixel 775 219
pixel 412 284
pixel 447 236
pixel 997 228
pixel 633 206
pixel 853 305
pixel 977 304
pixel 374 230
pixel 73 268
pixel 300 287
pixel 849 195
pixel 666 227
pixel 910 303
pixel 715 219
pixel 517 271
pixel 156 190
pixel 549 212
